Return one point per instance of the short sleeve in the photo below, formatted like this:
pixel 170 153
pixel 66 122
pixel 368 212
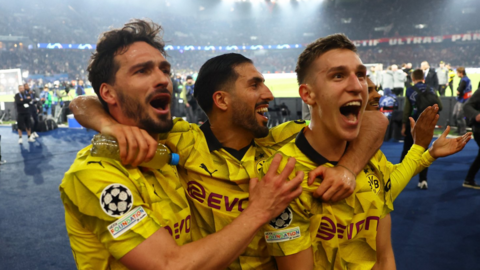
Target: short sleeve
pixel 108 204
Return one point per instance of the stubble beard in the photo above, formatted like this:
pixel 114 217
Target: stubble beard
pixel 133 109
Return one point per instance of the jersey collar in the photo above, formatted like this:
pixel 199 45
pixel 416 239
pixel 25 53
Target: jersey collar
pixel 215 145
pixel 304 146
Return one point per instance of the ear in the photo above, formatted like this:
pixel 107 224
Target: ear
pixel 222 100
pixel 108 94
pixel 306 93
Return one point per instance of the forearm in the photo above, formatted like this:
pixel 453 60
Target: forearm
pixel 89 112
pixel 219 250
pixel 369 140
pixel 385 255
pixel 416 160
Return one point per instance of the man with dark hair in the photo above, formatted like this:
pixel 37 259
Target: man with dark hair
pixel 464 92
pixel 191 105
pixel 218 158
pixel 343 235
pixel 22 103
pixel 148 223
pixel 411 109
pixel 32 108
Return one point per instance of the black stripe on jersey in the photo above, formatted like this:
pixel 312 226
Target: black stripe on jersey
pixel 304 146
pixel 214 144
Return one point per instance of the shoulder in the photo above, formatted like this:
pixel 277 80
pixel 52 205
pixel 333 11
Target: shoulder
pixel 282 133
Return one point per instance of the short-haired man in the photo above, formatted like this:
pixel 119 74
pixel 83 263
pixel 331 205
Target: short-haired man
pixel 311 233
pixel 149 225
pixel 411 110
pixel 23 102
pixel 464 92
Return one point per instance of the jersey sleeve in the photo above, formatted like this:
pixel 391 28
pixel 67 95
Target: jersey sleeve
pixel 400 174
pixel 181 139
pixel 289 233
pixel 107 203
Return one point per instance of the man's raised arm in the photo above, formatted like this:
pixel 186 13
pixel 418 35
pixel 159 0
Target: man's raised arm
pixel 339 182
pixel 136 145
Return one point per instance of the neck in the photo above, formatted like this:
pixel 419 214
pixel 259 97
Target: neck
pixel 228 134
pixel 323 141
pixel 116 113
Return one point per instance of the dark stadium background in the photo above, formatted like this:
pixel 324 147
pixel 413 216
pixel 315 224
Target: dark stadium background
pixel 434 229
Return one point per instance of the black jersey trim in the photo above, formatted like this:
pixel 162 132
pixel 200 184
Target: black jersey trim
pixel 215 145
pixel 304 146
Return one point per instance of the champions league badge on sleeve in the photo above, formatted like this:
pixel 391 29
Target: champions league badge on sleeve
pixel 116 200
pixel 283 220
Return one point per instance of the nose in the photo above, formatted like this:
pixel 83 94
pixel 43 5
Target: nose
pixel 355 84
pixel 161 80
pixel 267 94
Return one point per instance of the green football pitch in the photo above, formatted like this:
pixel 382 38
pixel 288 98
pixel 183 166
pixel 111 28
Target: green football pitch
pixel 287 86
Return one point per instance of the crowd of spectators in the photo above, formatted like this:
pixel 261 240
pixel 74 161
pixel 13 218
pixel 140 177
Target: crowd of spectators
pixel 70 22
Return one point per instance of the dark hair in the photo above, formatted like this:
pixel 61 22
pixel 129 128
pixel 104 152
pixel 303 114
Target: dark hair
pixel 317 48
pixel 215 74
pixel 418 75
pixel 102 67
pixel 461 70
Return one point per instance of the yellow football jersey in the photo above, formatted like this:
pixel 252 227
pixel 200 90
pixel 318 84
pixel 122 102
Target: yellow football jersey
pixel 217 180
pixel 342 234
pixel 110 208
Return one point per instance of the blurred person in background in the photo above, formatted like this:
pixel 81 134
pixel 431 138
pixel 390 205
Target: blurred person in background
pixel 431 78
pixel 373 75
pixel 451 76
pixel 191 104
pixel 46 100
pixel 22 103
pixel 387 79
pixel 472 112
pixel 407 68
pixel 378 77
pixel 32 108
pixel 80 90
pixel 442 74
pixel 399 79
pixel 464 92
pixel 411 109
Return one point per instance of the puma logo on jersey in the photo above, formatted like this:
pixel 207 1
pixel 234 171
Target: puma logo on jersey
pixel 203 166
pixel 95 162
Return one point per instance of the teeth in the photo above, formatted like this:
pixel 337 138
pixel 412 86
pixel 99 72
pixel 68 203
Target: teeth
pixel 352 103
pixel 262 110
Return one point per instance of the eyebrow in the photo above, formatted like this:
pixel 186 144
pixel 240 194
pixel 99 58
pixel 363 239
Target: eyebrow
pixel 343 68
pixel 148 64
pixel 256 79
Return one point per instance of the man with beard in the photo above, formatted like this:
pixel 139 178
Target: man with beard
pixel 120 217
pixel 218 159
